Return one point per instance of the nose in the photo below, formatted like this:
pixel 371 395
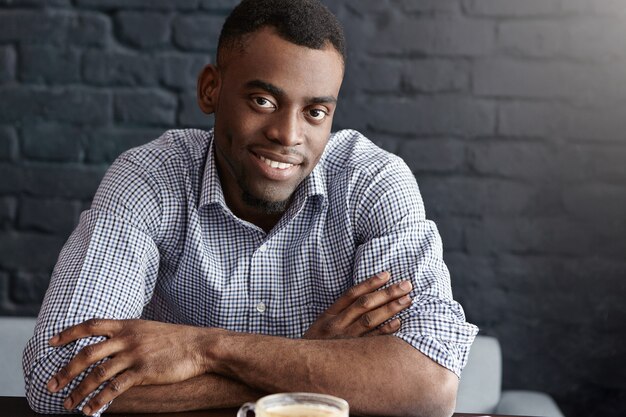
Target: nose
pixel 285 129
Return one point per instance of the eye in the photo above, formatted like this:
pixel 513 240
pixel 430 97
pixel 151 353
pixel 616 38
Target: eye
pixel 263 102
pixel 317 114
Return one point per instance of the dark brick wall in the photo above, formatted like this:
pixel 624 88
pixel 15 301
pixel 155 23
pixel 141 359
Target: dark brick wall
pixel 511 114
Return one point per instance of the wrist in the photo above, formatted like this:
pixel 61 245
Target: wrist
pixel 210 342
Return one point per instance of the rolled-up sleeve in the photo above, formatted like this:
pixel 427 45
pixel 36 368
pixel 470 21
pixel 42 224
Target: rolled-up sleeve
pixel 107 269
pixel 395 236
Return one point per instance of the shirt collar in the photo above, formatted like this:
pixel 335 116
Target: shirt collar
pixel 211 192
pixel 314 185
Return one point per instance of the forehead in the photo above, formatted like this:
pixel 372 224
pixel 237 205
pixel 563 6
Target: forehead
pixel 264 55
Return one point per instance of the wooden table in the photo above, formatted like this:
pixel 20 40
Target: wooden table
pixel 18 407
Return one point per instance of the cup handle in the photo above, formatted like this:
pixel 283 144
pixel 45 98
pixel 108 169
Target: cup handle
pixel 243 411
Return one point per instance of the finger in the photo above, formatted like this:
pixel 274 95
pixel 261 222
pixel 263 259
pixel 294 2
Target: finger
pixel 372 319
pixel 99 374
pixel 353 293
pixel 93 327
pixel 88 355
pixel 387 328
pixel 372 301
pixel 116 387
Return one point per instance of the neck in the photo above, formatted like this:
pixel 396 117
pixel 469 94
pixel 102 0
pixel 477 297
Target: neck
pixel 242 207
pixel 254 215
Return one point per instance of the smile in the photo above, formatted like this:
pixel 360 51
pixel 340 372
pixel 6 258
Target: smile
pixel 275 164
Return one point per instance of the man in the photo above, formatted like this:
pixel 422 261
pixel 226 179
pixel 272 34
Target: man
pixel 212 264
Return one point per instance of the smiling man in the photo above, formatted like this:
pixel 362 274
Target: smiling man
pixel 265 255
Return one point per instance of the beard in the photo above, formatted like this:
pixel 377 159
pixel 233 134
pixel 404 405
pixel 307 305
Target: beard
pixel 267 207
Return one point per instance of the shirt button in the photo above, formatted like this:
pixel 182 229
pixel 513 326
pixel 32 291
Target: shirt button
pixel 260 307
pixel 263 247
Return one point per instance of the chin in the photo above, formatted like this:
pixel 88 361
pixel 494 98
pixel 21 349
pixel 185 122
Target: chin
pixel 266 205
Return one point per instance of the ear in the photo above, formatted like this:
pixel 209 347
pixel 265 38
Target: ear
pixel 208 88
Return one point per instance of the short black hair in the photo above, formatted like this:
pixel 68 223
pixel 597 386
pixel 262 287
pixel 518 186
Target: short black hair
pixel 302 22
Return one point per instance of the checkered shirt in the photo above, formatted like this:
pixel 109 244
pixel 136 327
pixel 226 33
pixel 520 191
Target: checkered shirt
pixel 159 242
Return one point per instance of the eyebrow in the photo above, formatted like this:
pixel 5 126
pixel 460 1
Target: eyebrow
pixel 279 92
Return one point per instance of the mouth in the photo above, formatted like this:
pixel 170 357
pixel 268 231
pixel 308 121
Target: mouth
pixel 275 164
pixel 276 167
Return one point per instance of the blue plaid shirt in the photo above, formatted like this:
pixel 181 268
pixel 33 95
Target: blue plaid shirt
pixel 159 242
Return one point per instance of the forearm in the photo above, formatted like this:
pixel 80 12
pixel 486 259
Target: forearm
pixel 201 392
pixel 376 375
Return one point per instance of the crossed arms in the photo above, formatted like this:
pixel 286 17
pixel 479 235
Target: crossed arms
pixel 157 366
pixel 154 366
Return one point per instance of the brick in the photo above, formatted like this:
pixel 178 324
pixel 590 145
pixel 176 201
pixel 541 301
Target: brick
pixel 151 107
pixel 219 4
pixel 73 105
pixel 62 181
pixel 530 119
pixel 49 3
pixel 587 161
pixel 590 39
pixel 29 288
pixel 48 64
pixel 474 282
pixel 595 124
pixel 540 38
pixel 372 76
pixel 190 114
pixel 604 201
pixel 423 115
pixel 106 145
pixel 426 6
pixel 604 234
pixel 433 155
pixel 531 236
pixel 385 75
pixel 140 4
pixel 553 120
pixel 51 142
pixel 512 8
pixel 529 79
pixel 144 29
pixel 181 71
pixel 436 36
pixel 366 6
pixel 514 160
pixel 594 8
pixel 52 216
pixel 451 231
pixel 58 27
pixel 16 250
pixel 119 68
pixel 436 76
pixel 8 143
pixel 8 210
pixel 4 292
pixel 198 33
pixel 11 181
pixel 545 199
pixel 558 236
pixel 7 63
pixel 466 196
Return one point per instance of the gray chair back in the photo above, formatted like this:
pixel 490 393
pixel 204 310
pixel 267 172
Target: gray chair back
pixel 481 380
pixel 14 333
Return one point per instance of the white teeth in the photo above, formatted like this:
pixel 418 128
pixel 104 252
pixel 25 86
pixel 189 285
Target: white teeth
pixel 275 164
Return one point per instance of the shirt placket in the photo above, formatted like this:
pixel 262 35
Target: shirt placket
pixel 261 265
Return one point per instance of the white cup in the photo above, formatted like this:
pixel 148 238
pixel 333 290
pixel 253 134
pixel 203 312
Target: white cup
pixel 297 404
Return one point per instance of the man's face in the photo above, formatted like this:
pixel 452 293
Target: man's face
pixel 273 114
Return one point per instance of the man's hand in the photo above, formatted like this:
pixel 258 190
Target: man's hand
pixel 141 353
pixel 154 353
pixel 362 309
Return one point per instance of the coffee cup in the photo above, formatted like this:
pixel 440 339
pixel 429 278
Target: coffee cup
pixel 297 404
